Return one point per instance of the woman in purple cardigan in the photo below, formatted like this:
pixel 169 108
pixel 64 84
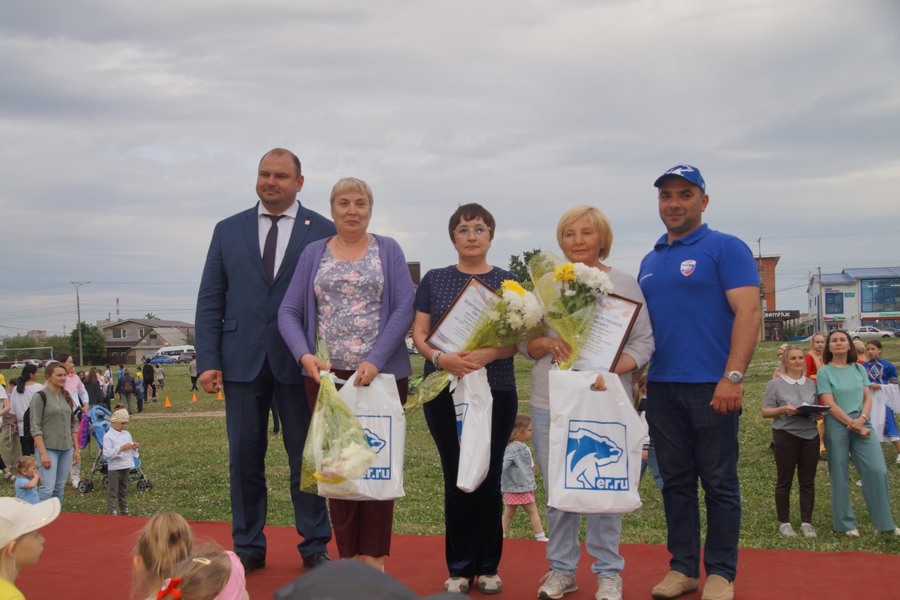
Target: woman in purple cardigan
pixel 353 290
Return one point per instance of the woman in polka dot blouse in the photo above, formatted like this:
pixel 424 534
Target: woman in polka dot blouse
pixel 474 535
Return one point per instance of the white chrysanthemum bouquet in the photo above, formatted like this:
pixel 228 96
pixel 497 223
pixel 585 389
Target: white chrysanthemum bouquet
pixel 515 317
pixel 336 450
pixel 568 293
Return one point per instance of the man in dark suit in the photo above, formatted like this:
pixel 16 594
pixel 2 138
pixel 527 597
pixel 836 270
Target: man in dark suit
pixel 250 263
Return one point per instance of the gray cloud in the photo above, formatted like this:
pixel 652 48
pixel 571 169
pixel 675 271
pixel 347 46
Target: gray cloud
pixel 130 129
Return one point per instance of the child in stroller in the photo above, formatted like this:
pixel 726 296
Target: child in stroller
pixel 100 423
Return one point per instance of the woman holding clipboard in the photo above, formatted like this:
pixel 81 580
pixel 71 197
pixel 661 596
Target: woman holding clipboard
pixel 795 439
pixel 474 534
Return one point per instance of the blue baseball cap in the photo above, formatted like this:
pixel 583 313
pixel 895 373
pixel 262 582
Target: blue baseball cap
pixel 686 172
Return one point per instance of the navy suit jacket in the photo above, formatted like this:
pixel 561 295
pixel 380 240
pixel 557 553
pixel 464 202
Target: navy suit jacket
pixel 237 309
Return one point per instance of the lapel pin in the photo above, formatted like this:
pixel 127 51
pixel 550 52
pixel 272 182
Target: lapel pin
pixel 306 222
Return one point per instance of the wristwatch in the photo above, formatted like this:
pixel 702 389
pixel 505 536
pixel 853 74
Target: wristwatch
pixel 734 377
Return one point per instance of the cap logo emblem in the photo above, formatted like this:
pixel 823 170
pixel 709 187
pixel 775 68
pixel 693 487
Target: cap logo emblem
pixel 687 267
pixel 680 170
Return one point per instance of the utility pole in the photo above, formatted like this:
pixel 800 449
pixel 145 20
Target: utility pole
pixel 77 285
pixel 820 300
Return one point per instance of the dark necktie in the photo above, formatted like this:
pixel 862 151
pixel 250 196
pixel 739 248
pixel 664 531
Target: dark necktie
pixel 269 248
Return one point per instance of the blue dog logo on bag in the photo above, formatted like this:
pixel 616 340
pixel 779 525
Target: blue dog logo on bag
pixel 374 441
pixel 595 456
pixel 461 410
pixel 378 434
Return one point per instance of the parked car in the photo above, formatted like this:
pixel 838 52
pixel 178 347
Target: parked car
pixel 162 359
pixel 26 361
pixel 867 332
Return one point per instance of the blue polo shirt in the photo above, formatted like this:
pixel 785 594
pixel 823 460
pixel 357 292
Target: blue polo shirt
pixel 684 284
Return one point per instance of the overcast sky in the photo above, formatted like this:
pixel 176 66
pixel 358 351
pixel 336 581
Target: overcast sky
pixel 130 128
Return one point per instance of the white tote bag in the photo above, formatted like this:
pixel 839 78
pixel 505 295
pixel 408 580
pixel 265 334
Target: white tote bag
pixel 378 408
pixel 596 440
pixel 474 407
pixel 887 396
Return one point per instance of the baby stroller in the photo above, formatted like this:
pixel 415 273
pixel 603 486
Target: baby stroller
pixel 99 422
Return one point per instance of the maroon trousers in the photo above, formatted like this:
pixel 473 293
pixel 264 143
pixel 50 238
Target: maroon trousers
pixel 360 527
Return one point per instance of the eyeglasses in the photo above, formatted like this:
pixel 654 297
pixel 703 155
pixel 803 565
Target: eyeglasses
pixel 479 231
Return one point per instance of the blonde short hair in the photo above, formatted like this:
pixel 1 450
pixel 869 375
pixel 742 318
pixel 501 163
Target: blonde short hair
pixel 165 541
pixel 597 220
pixel 352 184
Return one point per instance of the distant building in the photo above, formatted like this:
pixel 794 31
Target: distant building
pixel 415 271
pixel 766 266
pixel 775 320
pixel 129 340
pixel 38 335
pixel 855 297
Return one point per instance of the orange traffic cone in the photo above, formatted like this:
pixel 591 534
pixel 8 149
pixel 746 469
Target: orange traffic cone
pixel 221 397
pixel 168 403
pixel 194 397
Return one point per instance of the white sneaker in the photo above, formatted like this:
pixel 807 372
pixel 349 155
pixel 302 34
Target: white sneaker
pixel 807 530
pixel 458 585
pixel 75 483
pixel 852 533
pixel 541 537
pixel 786 530
pixel 490 584
pixel 609 588
pixel 556 585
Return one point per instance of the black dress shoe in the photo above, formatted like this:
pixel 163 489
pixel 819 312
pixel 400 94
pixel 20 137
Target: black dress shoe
pixel 251 564
pixel 315 560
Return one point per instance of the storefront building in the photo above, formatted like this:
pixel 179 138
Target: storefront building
pixel 855 297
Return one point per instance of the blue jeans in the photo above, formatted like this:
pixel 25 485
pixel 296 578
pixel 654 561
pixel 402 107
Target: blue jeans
pixel 53 480
pixel 603 532
pixel 654 466
pixel 694 442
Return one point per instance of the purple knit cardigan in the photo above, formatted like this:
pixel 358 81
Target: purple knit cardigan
pixel 297 314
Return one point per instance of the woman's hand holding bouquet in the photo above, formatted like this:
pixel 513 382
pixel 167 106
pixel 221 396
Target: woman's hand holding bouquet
pixel 568 293
pixel 515 317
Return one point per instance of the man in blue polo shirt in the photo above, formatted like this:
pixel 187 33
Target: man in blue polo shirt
pixel 702 291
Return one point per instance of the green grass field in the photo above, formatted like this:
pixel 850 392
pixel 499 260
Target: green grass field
pixel 186 458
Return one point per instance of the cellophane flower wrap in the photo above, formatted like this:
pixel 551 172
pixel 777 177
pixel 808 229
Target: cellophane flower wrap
pixel 336 448
pixel 568 294
pixel 516 316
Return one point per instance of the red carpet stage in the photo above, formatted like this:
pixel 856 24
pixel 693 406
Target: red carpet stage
pixel 89 557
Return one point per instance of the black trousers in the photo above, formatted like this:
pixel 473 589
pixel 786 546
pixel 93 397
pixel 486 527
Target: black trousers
pixel 474 532
pixel 794 453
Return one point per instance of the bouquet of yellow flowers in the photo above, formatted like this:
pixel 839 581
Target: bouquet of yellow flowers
pixel 568 293
pixel 515 317
pixel 336 447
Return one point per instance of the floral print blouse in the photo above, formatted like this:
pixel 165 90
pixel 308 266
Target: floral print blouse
pixel 348 305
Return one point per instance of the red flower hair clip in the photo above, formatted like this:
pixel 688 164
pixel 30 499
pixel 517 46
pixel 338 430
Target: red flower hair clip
pixel 170 590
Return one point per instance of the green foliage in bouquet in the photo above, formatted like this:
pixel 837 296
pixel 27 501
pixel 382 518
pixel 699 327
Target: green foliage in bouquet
pixel 336 447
